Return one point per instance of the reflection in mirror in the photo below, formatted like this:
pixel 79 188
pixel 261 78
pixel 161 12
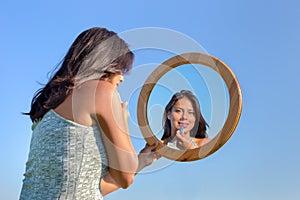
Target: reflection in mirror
pixel 167 115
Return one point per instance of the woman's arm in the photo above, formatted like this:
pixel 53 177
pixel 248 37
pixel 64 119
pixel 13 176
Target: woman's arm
pixel 108 184
pixel 146 157
pixel 112 120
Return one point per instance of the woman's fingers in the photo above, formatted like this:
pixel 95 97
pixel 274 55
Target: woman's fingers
pixel 183 141
pixel 124 104
pixel 125 110
pixel 153 146
pixel 147 155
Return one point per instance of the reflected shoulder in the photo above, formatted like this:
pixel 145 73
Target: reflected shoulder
pixel 201 141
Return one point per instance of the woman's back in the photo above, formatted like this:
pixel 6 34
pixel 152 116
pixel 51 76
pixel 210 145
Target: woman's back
pixel 66 161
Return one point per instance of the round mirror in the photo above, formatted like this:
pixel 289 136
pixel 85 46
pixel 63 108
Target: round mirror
pixel 216 89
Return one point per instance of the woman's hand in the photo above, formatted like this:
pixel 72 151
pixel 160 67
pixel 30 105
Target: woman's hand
pixel 183 140
pixel 147 156
pixel 125 110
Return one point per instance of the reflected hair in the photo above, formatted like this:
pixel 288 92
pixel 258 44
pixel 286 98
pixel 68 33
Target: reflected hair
pixel 199 129
pixel 95 54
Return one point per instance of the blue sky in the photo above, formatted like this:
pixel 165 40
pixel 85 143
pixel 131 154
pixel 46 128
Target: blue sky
pixel 259 40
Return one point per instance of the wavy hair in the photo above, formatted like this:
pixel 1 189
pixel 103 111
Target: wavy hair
pixel 95 54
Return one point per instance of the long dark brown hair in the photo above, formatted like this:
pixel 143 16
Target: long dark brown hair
pixel 199 129
pixel 95 54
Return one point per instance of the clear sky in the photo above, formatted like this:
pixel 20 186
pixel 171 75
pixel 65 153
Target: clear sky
pixel 259 40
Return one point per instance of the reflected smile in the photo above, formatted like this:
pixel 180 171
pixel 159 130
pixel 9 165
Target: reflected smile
pixel 184 125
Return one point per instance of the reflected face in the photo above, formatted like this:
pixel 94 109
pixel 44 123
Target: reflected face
pixel 116 79
pixel 182 114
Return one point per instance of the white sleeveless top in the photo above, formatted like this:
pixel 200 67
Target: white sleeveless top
pixel 66 161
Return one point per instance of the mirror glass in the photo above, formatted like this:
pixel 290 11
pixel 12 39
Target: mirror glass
pixel 205 83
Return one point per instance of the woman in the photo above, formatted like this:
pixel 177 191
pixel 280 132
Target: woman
pixel 80 146
pixel 184 125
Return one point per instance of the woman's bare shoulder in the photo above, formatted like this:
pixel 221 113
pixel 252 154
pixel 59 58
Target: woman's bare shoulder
pixel 201 141
pixel 106 96
pixel 104 90
pixel 105 86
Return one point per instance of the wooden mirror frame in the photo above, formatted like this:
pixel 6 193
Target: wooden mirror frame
pixel 235 107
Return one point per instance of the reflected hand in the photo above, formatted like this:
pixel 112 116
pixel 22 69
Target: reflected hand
pixel 183 140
